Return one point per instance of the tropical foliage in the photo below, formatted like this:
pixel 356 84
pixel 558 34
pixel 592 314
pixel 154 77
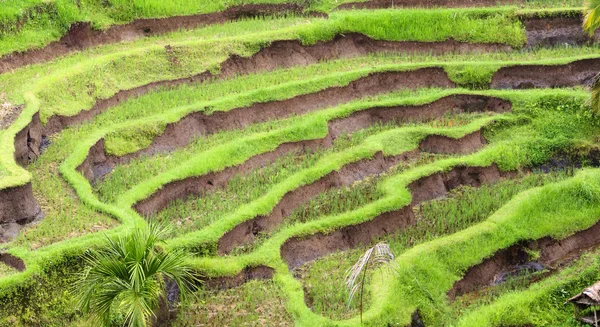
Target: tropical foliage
pixel 591 22
pixel 127 277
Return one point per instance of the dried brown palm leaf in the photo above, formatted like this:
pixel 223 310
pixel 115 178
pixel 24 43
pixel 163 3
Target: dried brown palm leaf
pixel 378 256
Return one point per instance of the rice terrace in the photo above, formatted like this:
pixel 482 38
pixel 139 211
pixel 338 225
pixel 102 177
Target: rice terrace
pixel 300 163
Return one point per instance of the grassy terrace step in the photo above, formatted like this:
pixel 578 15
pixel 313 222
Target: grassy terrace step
pixel 128 118
pixel 463 207
pixel 32 24
pixel 264 255
pixel 193 213
pixel 541 301
pixel 109 120
pixel 90 201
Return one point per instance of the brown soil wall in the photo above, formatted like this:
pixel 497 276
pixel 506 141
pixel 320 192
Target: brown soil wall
pixel 299 250
pixel 198 185
pixel 250 273
pixel 539 76
pixel 244 233
pixel 381 4
pixel 12 261
pixel 553 253
pixel 81 35
pixel 182 132
pixel 17 205
pixel 28 142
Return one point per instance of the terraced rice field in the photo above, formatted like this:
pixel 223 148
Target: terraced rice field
pixel 281 140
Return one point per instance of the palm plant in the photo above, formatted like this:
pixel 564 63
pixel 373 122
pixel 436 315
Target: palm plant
pixel 377 256
pixel 591 22
pixel 127 276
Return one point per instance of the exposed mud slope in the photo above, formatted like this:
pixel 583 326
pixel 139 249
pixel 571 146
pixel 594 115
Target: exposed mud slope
pixel 515 260
pixel 12 261
pixel 250 273
pixel 244 233
pixel 29 141
pixel 579 72
pixel 81 35
pixel 552 31
pixel 17 205
pixel 196 124
pixel 198 185
pixel 380 4
pixel 283 54
pixel 299 250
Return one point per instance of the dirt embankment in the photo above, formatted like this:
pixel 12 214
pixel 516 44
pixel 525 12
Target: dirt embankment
pixel 245 233
pixel 362 119
pixel 515 260
pixel 299 250
pixel 12 261
pixel 552 31
pixel 182 132
pixel 81 35
pixel 17 208
pixel 282 54
pixel 382 4
pixel 577 73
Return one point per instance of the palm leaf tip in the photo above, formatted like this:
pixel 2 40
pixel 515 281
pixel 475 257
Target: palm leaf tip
pixel 591 20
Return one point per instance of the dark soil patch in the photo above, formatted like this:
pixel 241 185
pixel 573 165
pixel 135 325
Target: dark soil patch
pixel 182 132
pixel 299 250
pixel 250 273
pixel 12 261
pixel 28 142
pixel 577 73
pixel 17 205
pixel 245 233
pixel 8 114
pixel 552 31
pixel 515 260
pixel 81 35
pixel 381 4
pixel 198 185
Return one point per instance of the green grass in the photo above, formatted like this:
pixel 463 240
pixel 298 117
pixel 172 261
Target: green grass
pixel 255 303
pixel 541 304
pixel 35 23
pixel 464 207
pixel 451 234
pixel 5 270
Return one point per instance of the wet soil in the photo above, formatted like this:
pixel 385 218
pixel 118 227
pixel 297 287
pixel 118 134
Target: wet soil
pixel 577 73
pixel 362 119
pixel 299 250
pixel 553 31
pixel 12 261
pixel 17 205
pixel 515 260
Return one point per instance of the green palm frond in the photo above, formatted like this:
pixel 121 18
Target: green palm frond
pixel 591 21
pixel 127 275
